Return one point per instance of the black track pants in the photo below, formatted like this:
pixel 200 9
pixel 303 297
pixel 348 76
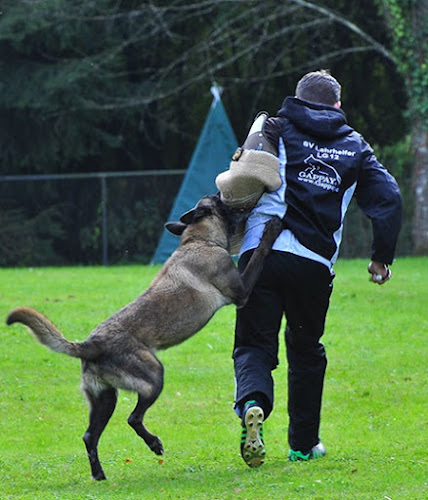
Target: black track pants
pixel 299 288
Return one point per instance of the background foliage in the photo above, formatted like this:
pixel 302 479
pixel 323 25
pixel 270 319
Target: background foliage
pixel 124 85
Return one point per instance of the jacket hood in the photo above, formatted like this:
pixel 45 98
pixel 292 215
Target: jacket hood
pixel 318 120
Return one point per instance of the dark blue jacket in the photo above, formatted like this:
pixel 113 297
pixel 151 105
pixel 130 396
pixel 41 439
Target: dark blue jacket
pixel 327 162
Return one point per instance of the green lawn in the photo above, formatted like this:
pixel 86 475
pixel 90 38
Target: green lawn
pixel 374 416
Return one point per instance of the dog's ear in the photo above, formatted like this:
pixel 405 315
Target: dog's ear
pixel 203 208
pixel 187 217
pixel 176 228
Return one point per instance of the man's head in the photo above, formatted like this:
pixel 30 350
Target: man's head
pixel 319 87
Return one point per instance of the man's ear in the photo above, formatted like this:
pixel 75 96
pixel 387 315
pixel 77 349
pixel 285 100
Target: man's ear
pixel 176 228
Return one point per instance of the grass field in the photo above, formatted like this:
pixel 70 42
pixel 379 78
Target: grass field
pixel 374 420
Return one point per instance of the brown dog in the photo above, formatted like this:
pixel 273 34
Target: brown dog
pixel 198 279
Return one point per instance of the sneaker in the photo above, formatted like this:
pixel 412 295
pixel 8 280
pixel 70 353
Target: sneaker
pixel 316 452
pixel 252 444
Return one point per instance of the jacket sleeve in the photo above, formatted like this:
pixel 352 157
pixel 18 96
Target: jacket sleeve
pixel 378 195
pixel 273 129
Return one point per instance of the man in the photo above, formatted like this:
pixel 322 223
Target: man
pixel 323 163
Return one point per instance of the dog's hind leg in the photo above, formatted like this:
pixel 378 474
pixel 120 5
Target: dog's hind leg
pixel 143 375
pixel 102 406
pixel 135 420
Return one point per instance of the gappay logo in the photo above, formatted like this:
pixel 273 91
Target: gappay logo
pixel 320 174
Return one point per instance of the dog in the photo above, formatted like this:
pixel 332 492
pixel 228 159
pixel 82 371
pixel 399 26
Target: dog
pixel 198 279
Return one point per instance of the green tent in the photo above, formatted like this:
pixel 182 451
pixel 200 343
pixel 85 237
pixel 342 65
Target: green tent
pixel 212 155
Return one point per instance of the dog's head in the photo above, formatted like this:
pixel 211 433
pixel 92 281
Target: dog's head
pixel 208 206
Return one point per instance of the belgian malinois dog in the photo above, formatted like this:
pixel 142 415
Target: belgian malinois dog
pixel 198 279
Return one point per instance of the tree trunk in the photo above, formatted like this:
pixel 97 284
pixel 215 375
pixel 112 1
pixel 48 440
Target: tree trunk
pixel 420 184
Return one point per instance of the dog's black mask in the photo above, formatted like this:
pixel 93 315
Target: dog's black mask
pixel 206 206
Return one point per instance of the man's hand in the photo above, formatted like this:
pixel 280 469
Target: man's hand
pixel 380 272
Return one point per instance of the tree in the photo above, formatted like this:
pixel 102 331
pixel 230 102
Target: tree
pixel 124 84
pixel 110 82
pixel 408 23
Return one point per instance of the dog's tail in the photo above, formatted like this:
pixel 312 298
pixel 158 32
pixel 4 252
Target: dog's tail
pixel 49 335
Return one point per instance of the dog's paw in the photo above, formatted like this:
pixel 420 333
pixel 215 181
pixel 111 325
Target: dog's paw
pixel 272 230
pixel 274 225
pixel 156 446
pixel 100 476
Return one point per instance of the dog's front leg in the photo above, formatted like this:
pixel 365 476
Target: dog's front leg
pixel 254 267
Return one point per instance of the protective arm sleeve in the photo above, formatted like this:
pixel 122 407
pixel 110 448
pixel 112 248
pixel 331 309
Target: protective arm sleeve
pixel 378 195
